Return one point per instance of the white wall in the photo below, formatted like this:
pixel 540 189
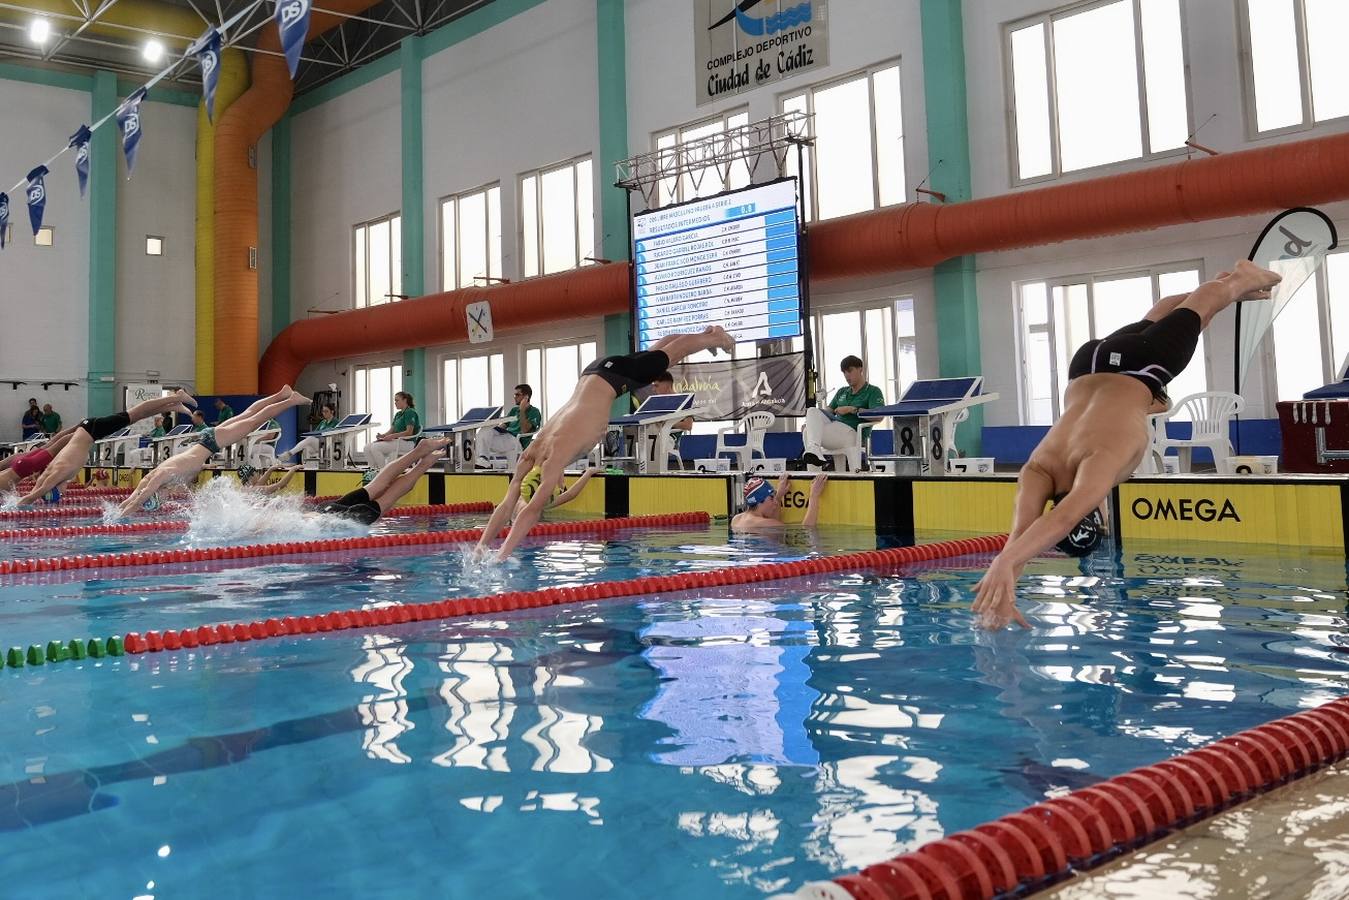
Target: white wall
pixel 345 169
pixel 156 306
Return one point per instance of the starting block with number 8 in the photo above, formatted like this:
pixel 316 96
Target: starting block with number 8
pixel 925 420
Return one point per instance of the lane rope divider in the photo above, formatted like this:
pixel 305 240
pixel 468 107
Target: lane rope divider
pixel 170 525
pixel 1051 840
pixel 327 545
pixel 462 607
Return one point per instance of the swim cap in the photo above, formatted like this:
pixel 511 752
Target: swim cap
pixel 368 476
pixel 1085 535
pixel 246 473
pixel 757 491
pixel 53 496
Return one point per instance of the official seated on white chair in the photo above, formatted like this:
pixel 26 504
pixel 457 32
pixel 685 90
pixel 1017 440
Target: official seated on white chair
pixel 752 429
pixel 1210 413
pixel 406 427
pixel 506 442
pixel 838 431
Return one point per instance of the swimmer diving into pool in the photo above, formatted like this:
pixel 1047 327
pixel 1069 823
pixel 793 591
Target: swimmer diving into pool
pixel 367 503
pixel 581 423
pixel 1114 383
pixel 76 451
pixel 19 466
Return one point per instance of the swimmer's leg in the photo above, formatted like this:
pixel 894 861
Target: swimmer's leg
pixel 505 510
pixel 1247 281
pixel 236 428
pixel 178 401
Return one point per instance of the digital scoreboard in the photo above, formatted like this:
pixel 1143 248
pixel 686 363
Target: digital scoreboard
pixel 730 260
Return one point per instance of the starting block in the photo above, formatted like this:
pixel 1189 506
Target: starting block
pixel 969 465
pixel 720 464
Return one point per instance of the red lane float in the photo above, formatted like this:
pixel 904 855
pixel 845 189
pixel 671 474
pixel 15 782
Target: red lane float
pixel 179 525
pixel 339 620
pixel 1049 841
pixel 326 545
pixel 49 511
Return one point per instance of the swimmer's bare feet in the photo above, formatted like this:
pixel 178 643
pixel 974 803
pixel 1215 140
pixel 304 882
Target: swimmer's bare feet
pixel 1250 282
pixel 297 399
pixel 721 339
pixel 180 408
pixel 184 397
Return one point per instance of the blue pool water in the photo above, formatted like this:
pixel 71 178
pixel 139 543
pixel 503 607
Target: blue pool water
pixel 725 742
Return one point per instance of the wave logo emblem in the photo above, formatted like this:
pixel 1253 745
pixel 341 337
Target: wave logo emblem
pixel 131 125
pixel 36 193
pixel 293 11
pixel 82 154
pixel 208 62
pixel 767 25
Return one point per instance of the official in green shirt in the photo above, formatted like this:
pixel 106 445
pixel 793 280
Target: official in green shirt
pixel 836 429
pixel 509 439
pixel 222 410
pixel 407 425
pixel 198 420
pixel 327 420
pixel 51 421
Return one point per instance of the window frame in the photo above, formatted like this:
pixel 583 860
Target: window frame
pixel 538 174
pixel 362 439
pixel 540 397
pixel 457 197
pixel 812 204
pixel 890 301
pixel 1247 54
pixel 1090 279
pixel 458 356
pixel 1057 171
pixel 395 266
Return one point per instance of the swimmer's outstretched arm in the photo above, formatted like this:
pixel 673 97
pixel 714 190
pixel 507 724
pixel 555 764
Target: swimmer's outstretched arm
pixel 278 486
pixel 995 594
pixel 503 511
pixel 574 491
pixel 813 504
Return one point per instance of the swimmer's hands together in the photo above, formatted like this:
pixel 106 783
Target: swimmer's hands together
pixel 995 597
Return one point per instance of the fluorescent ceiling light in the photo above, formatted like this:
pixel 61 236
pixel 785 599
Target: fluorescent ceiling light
pixel 153 51
pixel 39 30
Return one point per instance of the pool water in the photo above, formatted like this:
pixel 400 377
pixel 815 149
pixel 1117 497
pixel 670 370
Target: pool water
pixel 724 742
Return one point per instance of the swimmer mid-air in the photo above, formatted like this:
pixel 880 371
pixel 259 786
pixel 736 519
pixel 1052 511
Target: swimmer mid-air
pixel 186 463
pixel 366 504
pixel 581 423
pixel 1114 384
pixel 14 469
pixel 73 455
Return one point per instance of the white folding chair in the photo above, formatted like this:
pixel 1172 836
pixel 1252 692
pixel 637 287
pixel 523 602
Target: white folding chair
pixel 1210 412
pixel 753 427
pixel 849 458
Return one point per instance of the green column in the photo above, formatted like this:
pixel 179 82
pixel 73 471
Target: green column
pixel 410 54
pixel 281 309
pixel 611 43
pixel 948 151
pixel 103 249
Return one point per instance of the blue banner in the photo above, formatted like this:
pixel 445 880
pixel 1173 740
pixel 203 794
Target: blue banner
pixel 4 218
pixel 80 141
pixel 206 49
pixel 37 197
pixel 292 18
pixel 129 121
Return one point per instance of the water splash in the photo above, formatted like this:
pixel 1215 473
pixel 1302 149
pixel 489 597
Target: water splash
pixel 221 511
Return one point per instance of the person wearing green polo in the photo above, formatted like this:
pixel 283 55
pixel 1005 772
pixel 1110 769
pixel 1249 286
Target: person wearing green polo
pixel 222 410
pixel 510 439
pixel 835 428
pixel 327 420
pixel 51 420
pixel 407 425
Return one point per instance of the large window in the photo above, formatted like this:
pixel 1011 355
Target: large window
pixel 557 218
pixel 1096 83
pixel 1059 316
pixel 1298 73
pixel 857 162
pixel 470 381
pixel 552 370
pixel 701 181
pixel 470 238
pixel 1309 341
pixel 378 261
pixel 881 335
pixel 373 388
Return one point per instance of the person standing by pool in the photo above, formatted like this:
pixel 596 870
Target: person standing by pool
pixel 51 420
pixel 32 420
pixel 407 424
pixel 1114 383
pixel 763 509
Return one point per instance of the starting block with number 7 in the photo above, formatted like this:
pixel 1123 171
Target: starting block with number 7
pixel 925 421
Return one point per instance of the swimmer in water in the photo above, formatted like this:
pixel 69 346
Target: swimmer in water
pixel 366 504
pixel 530 485
pixel 15 468
pixel 581 423
pixel 763 509
pixel 258 483
pixel 76 451
pixel 184 465
pixel 1115 383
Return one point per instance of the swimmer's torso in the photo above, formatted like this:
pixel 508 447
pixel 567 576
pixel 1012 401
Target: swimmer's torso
pixel 1104 416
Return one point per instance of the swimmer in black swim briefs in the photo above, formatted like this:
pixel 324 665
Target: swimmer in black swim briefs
pixel 575 429
pixel 76 451
pixel 1103 432
pixel 366 504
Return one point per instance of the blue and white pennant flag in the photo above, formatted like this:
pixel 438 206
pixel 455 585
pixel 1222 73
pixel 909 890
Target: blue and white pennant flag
pixel 4 218
pixel 292 18
pixel 37 197
pixel 206 49
pixel 80 141
pixel 129 121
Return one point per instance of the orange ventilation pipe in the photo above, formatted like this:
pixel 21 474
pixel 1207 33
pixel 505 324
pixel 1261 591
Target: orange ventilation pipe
pixel 236 201
pixel 878 242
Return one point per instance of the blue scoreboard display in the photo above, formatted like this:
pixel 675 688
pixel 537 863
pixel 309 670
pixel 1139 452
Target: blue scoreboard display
pixel 730 260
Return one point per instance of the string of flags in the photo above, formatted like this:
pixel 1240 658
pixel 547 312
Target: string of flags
pixel 292 21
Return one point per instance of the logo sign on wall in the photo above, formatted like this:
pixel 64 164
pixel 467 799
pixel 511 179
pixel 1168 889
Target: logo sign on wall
pixel 134 393
pixel 739 45
pixel 775 384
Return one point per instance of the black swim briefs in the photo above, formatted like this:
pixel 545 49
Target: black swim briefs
pixel 102 426
pixel 356 506
pixel 1152 352
pixel 631 371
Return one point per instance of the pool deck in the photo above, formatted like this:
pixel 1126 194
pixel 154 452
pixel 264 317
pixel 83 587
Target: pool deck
pixel 1291 842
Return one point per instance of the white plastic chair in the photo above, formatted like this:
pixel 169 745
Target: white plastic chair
pixel 1210 413
pixel 1151 463
pixel 849 458
pixel 753 426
